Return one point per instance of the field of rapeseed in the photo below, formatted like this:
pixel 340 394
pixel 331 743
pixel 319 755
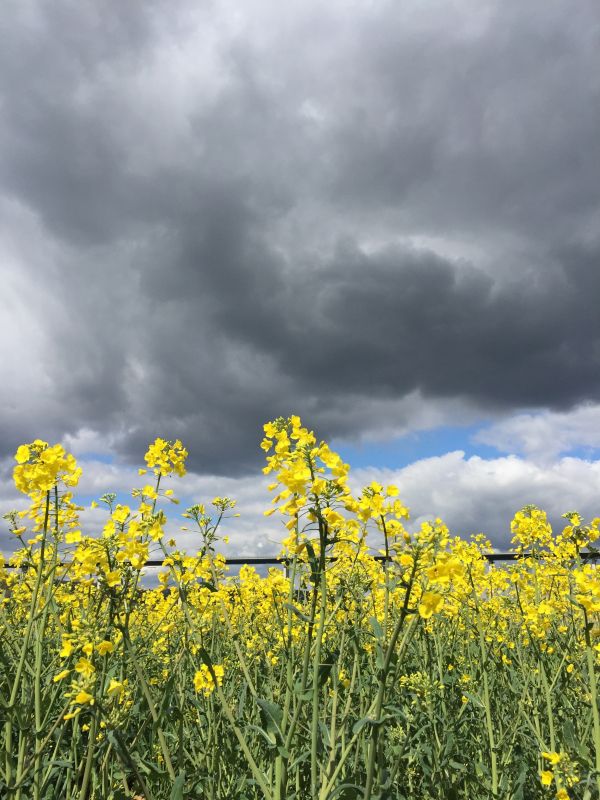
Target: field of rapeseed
pixel 431 675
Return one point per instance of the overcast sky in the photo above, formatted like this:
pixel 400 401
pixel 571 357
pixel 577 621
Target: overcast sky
pixel 382 216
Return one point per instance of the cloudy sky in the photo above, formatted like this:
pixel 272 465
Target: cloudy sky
pixel 382 216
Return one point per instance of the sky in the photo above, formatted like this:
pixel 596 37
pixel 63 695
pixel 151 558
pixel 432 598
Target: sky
pixel 383 217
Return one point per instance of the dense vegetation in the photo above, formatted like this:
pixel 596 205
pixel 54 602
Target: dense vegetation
pixel 431 675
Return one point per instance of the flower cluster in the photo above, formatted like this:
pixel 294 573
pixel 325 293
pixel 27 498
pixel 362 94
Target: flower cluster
pixel 40 467
pixel 166 457
pixel 207 679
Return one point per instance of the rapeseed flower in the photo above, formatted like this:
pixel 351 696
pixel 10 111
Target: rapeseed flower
pixel 204 681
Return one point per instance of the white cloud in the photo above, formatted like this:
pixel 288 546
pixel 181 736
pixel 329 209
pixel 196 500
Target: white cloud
pixel 250 534
pixel 471 495
pixel 545 435
pixel 475 495
pixel 87 441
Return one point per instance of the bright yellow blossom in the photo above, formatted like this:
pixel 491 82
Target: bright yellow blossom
pixel 83 697
pixel 430 604
pixel 203 680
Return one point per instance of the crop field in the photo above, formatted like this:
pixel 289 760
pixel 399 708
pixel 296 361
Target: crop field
pixel 431 675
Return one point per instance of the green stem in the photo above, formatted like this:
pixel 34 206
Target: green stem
pixel 39 649
pixel 89 760
pixel 151 707
pixel 314 728
pixel 334 715
pixel 594 697
pixel 488 712
pixel 281 763
pixel 383 674
pixel 548 701
pixel 25 647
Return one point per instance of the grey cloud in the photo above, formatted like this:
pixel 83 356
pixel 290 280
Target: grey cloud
pixel 377 326
pixel 493 130
pixel 250 239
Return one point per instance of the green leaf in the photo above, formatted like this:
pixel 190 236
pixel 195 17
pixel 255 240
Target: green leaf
pixel 302 694
pixel 205 658
pixel 173 711
pixel 346 791
pixel 242 699
pixel 62 762
pixel 377 629
pixel 271 715
pixel 272 711
pixel 314 563
pixel 358 726
pixel 474 699
pixel 270 740
pixel 148 768
pixel 177 790
pixel 304 756
pixel 324 737
pixel 326 666
pixel 297 612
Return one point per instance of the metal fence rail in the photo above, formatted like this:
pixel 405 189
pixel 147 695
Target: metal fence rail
pixel 274 561
pixel 285 562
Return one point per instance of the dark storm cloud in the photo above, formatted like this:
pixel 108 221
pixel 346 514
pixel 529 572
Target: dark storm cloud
pixel 462 129
pixel 214 224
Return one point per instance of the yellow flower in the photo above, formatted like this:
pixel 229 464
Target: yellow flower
pixel 562 794
pixel 553 758
pixel 105 647
pixel 85 667
pixel 203 680
pixel 430 604
pixel 61 675
pixel 115 688
pixel 83 697
pixel 39 468
pixel 67 648
pixel 23 454
pixel 113 578
pixel 166 457
pixel 121 513
pixel 546 777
